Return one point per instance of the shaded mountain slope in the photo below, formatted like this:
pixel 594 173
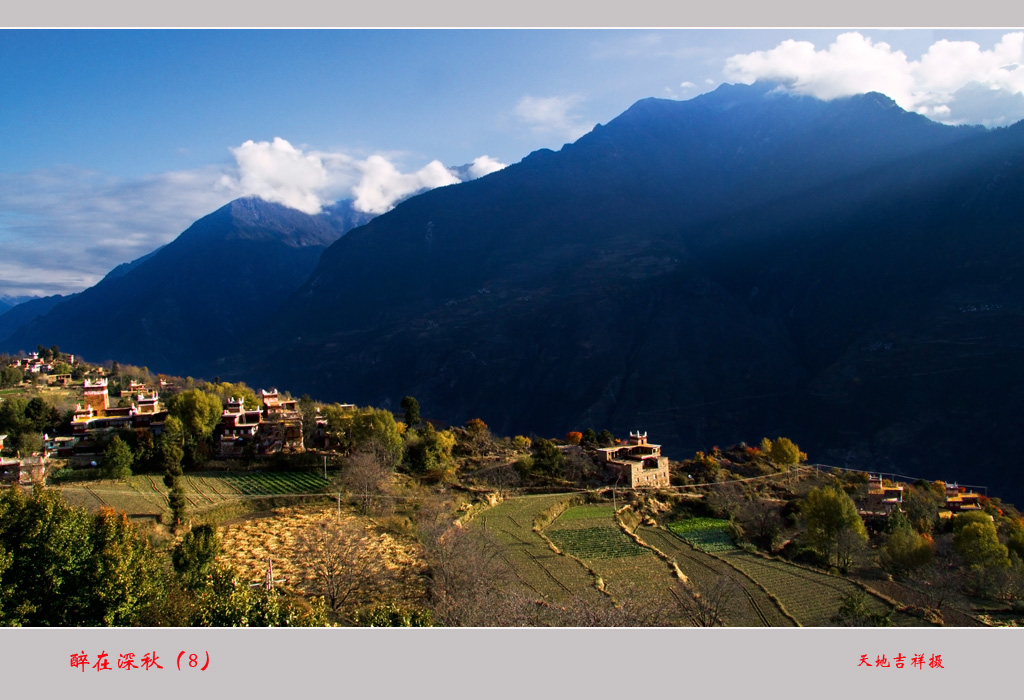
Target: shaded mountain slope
pixel 714 270
pixel 197 298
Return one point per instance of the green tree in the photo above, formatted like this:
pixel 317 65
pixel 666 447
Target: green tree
pixel 10 376
pixel 605 438
pixel 976 539
pixel 117 460
pixel 194 557
pixel 198 411
pixel 27 443
pixel 69 568
pixel 905 551
pixel 547 457
pixel 833 527
pixel 375 431
pixel 411 407
pixel 124 574
pixel 430 454
pixel 784 452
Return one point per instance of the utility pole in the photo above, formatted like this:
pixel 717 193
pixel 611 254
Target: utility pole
pixel 339 506
pixel 325 467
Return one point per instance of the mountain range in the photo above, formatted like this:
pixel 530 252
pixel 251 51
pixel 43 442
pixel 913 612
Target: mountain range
pixel 747 263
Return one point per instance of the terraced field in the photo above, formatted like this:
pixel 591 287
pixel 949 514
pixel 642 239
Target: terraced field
pixel 810 596
pixel 631 573
pixel 539 570
pixel 748 607
pixel 144 495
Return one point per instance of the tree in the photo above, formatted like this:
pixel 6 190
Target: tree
pixel 412 411
pixel 375 430
pixel 10 376
pixel 605 438
pixel 117 460
pixel 194 557
pixel 198 411
pixel 27 443
pixel 341 562
pixel 854 611
pixel 784 452
pixel 905 551
pixel 705 608
pixel 589 437
pixel 574 437
pixel 370 482
pixel 547 457
pixel 70 568
pixel 170 454
pixel 976 539
pixel 430 454
pixel 833 527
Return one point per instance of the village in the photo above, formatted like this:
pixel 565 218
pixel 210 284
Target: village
pixel 274 425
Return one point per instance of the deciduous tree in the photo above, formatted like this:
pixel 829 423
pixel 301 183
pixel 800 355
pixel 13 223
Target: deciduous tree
pixel 834 528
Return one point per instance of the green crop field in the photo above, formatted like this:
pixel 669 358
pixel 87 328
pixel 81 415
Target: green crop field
pixel 145 495
pixel 706 534
pixel 595 542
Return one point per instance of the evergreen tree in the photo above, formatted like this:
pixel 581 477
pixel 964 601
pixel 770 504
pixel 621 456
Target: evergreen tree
pixel 412 411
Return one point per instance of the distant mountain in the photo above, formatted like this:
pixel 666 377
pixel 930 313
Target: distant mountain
pixel 23 313
pixel 742 264
pixel 198 297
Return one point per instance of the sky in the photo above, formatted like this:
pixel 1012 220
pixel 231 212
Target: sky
pixel 115 141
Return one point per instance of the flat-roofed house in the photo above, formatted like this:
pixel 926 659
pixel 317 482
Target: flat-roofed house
pixel 638 461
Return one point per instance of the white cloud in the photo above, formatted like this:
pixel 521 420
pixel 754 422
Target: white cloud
pixel 308 181
pixel 61 230
pixel 279 172
pixel 485 165
pixel 935 85
pixel 553 115
pixel 382 184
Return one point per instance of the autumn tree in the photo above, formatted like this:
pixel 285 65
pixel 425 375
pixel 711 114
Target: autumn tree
pixel 782 451
pixel 369 481
pixel 976 539
pixel 574 437
pixel 904 550
pixel 342 564
pixel 430 454
pixel 833 526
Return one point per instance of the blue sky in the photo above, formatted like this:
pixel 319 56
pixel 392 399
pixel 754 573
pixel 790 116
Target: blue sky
pixel 116 140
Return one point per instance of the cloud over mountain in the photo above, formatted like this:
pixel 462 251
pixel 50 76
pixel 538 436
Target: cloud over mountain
pixel 931 85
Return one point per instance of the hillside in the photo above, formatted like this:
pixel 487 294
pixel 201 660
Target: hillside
pixel 734 265
pixel 193 300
